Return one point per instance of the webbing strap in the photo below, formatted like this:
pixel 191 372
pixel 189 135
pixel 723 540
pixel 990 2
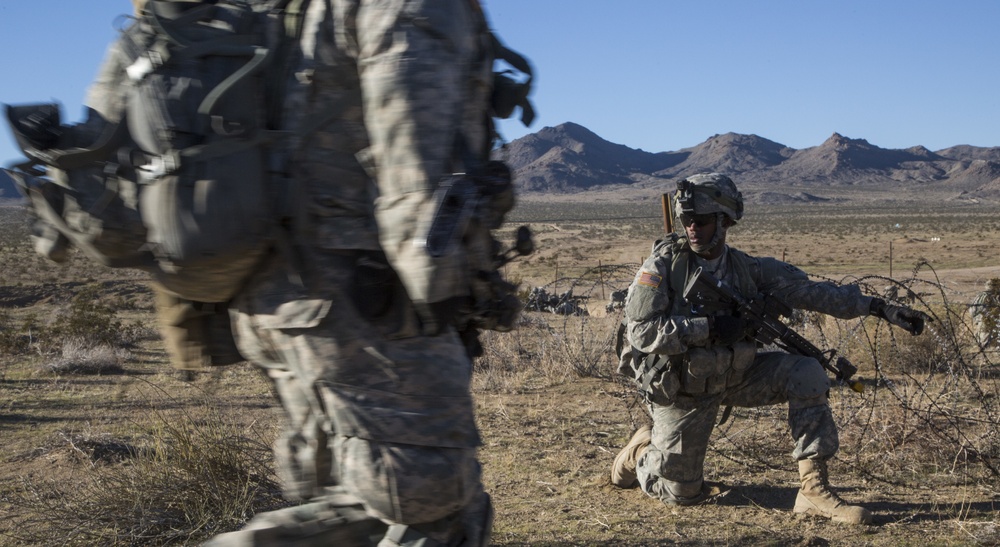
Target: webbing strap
pixel 652 371
pixel 78 158
pixel 260 58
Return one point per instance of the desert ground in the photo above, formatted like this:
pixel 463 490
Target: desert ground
pixel 114 454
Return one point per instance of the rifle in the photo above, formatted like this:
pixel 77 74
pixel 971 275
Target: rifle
pixel 668 213
pixel 764 315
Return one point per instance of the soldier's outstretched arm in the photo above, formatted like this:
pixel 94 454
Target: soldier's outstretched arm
pixel 908 319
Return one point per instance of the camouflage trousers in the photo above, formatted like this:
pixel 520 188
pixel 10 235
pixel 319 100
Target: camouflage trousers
pixel 380 440
pixel 672 467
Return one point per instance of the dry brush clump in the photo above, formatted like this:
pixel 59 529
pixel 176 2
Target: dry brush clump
pixel 177 480
pixel 550 347
pixel 86 336
pixel 79 356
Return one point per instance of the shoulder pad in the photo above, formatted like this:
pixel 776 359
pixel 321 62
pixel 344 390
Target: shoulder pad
pixel 649 293
pixel 774 268
pixel 670 244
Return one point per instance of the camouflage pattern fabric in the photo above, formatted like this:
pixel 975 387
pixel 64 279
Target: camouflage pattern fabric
pixel 660 322
pixel 375 409
pixel 672 466
pixel 984 313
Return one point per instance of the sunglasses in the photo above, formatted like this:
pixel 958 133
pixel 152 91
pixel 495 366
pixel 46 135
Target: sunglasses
pixel 698 220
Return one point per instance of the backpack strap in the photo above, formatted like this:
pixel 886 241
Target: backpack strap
pixel 291 18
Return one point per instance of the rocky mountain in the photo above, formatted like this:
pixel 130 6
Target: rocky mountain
pixel 570 158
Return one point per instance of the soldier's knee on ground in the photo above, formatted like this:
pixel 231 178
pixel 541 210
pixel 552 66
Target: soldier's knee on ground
pixel 807 382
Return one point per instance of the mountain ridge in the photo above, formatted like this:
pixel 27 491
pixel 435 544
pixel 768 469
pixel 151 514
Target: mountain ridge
pixel 569 158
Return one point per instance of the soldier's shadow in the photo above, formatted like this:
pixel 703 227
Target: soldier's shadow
pixel 884 512
pixel 889 512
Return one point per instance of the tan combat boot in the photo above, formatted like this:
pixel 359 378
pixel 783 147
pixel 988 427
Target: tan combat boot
pixel 816 498
pixel 623 470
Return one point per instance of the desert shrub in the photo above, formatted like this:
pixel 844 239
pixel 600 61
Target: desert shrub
pixel 17 338
pixel 512 361
pixel 178 481
pixel 87 319
pixel 82 329
pixel 81 357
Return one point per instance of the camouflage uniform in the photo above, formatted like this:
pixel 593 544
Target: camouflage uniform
pixel 380 426
pixel 701 376
pixel 983 312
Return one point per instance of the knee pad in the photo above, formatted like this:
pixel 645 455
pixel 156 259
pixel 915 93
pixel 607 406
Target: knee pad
pixel 807 380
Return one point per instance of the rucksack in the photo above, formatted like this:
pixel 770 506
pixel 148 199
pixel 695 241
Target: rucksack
pixel 185 185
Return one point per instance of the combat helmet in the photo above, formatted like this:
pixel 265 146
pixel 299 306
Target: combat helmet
pixel 708 193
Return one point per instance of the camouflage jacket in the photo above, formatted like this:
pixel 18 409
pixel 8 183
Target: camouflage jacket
pixel 398 82
pixel 659 322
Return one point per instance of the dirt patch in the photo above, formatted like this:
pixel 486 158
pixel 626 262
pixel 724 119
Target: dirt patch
pixel 43 293
pixel 547 459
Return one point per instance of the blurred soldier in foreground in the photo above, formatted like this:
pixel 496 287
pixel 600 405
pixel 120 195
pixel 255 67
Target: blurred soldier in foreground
pixel 693 359
pixel 356 324
pixel 320 170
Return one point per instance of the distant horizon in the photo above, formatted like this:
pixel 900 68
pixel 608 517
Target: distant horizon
pixel 693 145
pixel 710 137
pixel 658 75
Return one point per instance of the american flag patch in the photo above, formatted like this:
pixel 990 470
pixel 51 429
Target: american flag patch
pixel 650 279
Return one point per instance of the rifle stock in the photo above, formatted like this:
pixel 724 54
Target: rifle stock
pixel 668 214
pixel 764 315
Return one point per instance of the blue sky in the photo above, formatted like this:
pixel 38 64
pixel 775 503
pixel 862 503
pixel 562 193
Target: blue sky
pixel 659 75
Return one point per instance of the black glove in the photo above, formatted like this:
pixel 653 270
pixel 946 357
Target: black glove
pixel 726 329
pixel 908 319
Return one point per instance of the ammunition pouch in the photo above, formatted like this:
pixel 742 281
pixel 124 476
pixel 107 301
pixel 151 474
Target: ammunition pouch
pixel 658 380
pixel 197 335
pixel 711 370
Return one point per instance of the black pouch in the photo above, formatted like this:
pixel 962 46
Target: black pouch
pixel 375 285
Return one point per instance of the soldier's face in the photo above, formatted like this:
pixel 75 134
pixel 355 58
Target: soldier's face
pixel 700 229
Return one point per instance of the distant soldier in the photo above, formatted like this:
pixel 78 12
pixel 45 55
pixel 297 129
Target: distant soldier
pixel 985 314
pixel 694 360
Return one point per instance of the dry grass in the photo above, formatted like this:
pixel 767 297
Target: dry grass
pixel 79 356
pixel 176 481
pixel 143 458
